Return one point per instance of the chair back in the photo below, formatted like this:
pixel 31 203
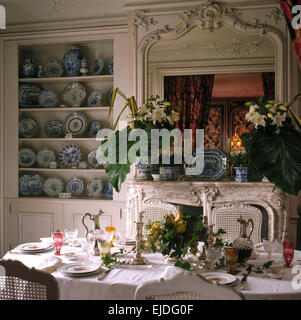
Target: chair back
pixel 225 217
pixel 185 286
pixel 18 282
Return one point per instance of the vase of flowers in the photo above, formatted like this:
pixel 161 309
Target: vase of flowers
pixel 240 161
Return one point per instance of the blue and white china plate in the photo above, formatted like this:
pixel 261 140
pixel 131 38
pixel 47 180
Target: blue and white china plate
pixel 53 69
pixel 74 94
pixel 54 129
pixel 53 186
pixel 108 190
pixel 28 128
pixel 97 66
pixel 75 186
pixel 109 95
pixel 92 160
pixel 94 127
pixel 94 188
pixel 29 94
pixel 94 98
pixel 31 185
pixel 27 158
pixel 48 99
pixel 44 158
pixel 111 67
pixel 76 124
pixel 70 156
pixel 214 165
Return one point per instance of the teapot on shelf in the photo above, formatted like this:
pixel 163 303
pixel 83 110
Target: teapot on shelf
pixel 243 243
pixel 96 234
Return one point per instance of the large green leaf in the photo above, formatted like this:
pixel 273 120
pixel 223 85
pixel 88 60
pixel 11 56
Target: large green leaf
pixel 277 156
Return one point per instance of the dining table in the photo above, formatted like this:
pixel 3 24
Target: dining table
pixel 122 279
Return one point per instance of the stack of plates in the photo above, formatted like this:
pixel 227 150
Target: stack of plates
pixel 35 247
pixel 220 278
pixel 80 269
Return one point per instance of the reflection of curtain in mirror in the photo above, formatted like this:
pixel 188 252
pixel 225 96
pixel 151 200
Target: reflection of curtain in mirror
pixel 268 83
pixel 287 6
pixel 193 94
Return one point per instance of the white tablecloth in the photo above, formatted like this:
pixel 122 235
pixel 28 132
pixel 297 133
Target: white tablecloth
pixel 122 281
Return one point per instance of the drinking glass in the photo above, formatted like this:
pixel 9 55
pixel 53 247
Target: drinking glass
pixel 71 235
pixel 269 247
pixel 231 255
pixel 58 241
pixel 288 253
pixel 87 246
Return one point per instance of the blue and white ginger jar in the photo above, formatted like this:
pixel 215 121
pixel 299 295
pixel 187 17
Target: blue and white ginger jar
pixel 72 61
pixel 29 69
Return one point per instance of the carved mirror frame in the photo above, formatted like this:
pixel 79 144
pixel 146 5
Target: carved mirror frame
pixel 211 16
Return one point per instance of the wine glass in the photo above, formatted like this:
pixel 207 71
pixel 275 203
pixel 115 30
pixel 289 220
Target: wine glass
pixel 288 253
pixel 57 241
pixel 269 247
pixel 87 246
pixel 71 235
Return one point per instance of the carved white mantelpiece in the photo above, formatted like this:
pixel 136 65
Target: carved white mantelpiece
pixel 281 208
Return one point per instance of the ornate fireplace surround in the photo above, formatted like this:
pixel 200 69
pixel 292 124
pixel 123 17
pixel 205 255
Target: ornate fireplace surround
pixel 281 207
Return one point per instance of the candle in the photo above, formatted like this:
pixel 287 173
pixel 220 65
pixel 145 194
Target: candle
pixel 229 145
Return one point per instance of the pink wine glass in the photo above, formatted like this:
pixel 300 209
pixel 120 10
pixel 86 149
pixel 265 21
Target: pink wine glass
pixel 288 253
pixel 58 242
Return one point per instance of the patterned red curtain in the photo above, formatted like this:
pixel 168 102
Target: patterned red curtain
pixel 193 95
pixel 287 6
pixel 268 83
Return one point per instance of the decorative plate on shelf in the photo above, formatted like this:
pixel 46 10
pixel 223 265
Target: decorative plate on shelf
pixel 27 158
pixel 53 69
pixel 111 67
pixel 29 94
pixel 94 188
pixel 31 185
pixel 97 66
pixel 74 94
pixel 53 186
pixel 70 156
pixel 76 124
pixel 75 186
pixel 109 95
pixel 92 161
pixel 28 128
pixel 94 98
pixel 44 158
pixel 54 129
pixel 48 99
pixel 214 164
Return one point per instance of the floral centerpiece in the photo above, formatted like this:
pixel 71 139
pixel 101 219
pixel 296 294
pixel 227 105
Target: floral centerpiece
pixel 155 114
pixel 274 146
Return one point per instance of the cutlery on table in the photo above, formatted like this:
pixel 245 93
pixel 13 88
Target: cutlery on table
pixel 103 275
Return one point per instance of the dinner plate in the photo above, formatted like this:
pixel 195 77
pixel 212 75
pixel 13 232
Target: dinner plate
pixel 48 99
pixel 44 158
pixel 54 129
pixel 28 128
pixel 79 269
pixel 74 94
pixel 76 124
pixel 94 188
pixel 220 277
pixel 70 156
pixel 35 247
pixel 53 68
pixel 75 186
pixel 53 186
pixel 27 157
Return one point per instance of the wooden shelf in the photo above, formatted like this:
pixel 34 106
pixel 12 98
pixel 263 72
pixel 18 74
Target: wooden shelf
pixel 61 170
pixel 79 109
pixel 106 77
pixel 44 198
pixel 60 139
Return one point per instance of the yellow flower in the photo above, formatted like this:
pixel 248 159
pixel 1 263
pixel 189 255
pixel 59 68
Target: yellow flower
pixel 181 226
pixel 270 115
pixel 283 108
pixel 268 106
pixel 271 101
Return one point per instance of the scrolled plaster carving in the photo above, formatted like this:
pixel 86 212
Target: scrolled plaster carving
pixel 143 20
pixel 276 14
pixel 276 198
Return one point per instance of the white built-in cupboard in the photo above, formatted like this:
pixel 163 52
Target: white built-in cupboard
pixel 29 218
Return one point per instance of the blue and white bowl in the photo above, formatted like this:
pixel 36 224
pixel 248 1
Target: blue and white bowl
pixel 44 158
pixel 111 67
pixel 27 158
pixel 108 190
pixel 94 127
pixel 72 61
pixel 53 186
pixel 54 129
pixel 94 98
pixel 31 185
pixel 48 99
pixel 75 186
pixel 70 156
pixel 94 188
pixel 28 128
pixel 29 94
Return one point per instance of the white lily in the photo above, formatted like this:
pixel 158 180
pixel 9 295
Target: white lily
pixel 279 118
pixel 260 121
pixel 174 117
pixel 158 115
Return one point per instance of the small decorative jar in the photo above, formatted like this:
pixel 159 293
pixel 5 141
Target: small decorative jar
pixel 108 190
pixel 143 171
pixel 29 69
pixel 72 61
pixel 84 67
pixel 94 127
pixel 241 174
pixel 171 173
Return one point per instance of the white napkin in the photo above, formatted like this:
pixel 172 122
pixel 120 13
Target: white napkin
pixel 49 263
pixel 171 272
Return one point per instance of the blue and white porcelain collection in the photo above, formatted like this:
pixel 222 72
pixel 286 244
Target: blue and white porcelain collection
pixel 54 129
pixel 76 124
pixel 94 127
pixel 94 188
pixel 44 157
pixel 74 94
pixel 94 98
pixel 28 128
pixel 70 156
pixel 48 99
pixel 31 185
pixel 29 94
pixel 53 186
pixel 27 158
pixel 75 186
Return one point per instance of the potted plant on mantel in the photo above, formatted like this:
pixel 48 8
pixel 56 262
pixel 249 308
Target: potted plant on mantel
pixel 274 146
pixel 155 114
